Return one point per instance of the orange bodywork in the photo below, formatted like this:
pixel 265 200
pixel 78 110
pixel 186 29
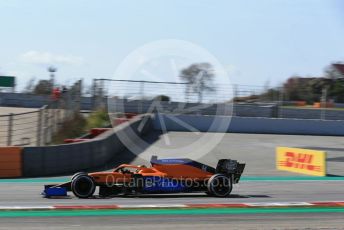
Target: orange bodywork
pixel 174 171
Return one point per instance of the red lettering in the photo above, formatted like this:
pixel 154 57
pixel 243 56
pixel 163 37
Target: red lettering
pixel 301 158
pixel 300 161
pixel 310 167
pixel 310 159
pixel 290 158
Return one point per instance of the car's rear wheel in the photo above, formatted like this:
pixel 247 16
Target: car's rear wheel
pixel 83 186
pixel 219 185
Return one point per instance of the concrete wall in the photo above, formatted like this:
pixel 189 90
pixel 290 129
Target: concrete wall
pixel 250 125
pixel 35 101
pixel 71 158
pixel 23 100
pixel 311 114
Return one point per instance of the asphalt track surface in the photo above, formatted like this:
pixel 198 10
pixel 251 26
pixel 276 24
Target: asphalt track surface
pixel 256 150
pixel 28 194
pixel 261 183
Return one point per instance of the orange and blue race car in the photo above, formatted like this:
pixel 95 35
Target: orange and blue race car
pixel 164 176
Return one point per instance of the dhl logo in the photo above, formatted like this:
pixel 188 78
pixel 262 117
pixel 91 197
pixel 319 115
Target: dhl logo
pixel 306 161
pixel 300 161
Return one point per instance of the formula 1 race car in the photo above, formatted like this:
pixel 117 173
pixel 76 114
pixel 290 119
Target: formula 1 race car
pixel 164 176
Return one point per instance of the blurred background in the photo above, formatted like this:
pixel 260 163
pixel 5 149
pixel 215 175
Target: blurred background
pixel 58 62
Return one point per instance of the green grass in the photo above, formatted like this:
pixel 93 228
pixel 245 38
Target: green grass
pixel 97 119
pixel 172 211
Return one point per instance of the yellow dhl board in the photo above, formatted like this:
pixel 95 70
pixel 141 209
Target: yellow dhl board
pixel 306 161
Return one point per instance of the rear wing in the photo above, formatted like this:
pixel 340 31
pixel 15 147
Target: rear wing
pixel 232 168
pixel 237 175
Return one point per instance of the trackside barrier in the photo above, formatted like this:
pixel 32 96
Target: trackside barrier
pixel 70 158
pixel 10 162
pixel 305 161
pixel 97 152
pixel 250 125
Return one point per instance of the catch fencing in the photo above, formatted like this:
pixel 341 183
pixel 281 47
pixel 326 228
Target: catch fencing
pixel 33 128
pixel 222 99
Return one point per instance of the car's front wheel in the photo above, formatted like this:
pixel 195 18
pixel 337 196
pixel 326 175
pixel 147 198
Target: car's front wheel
pixel 78 174
pixel 83 186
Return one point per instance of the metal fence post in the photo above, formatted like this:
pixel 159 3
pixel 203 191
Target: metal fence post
pixel 58 120
pixel 45 126
pixel 280 101
pixel 50 124
pixel 53 121
pixel 323 104
pixel 142 88
pixel 235 92
pixel 10 129
pixel 39 128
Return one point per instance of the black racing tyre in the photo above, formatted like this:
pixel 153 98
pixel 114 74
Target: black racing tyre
pixel 77 174
pixel 219 185
pixel 83 186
